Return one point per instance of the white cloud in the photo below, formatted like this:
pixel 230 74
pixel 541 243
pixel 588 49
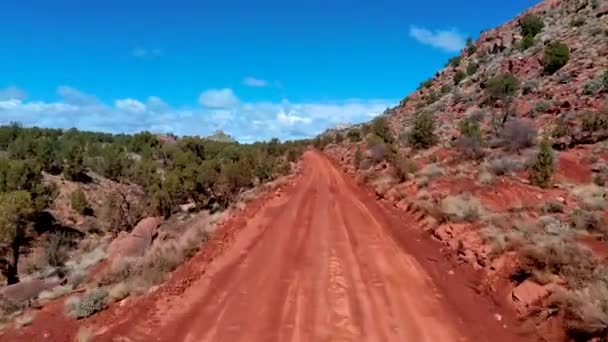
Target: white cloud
pixel 448 41
pixel 218 98
pixel 291 119
pixel 140 52
pixel 130 105
pixel 254 82
pixel 12 93
pixel 247 121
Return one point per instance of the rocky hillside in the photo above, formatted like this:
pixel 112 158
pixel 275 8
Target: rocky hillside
pixel 504 155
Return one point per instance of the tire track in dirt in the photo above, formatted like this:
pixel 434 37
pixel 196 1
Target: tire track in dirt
pixel 319 263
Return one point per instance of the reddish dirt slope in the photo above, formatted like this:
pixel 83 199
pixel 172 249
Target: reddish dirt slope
pixel 317 264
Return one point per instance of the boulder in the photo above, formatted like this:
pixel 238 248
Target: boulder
pixel 527 294
pixel 27 290
pixel 137 242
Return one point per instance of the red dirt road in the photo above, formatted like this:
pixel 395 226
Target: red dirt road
pixel 320 261
pixel 316 264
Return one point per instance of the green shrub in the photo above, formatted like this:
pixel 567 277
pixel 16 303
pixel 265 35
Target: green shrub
pixel 526 42
pixel 556 56
pixel 454 61
pixel 531 25
pixel 471 48
pixel 593 86
pixel 541 107
pixel 529 87
pixel 422 134
pixel 73 166
pixel 56 250
pixel 79 202
pixel 592 122
pixel 561 128
pixel 425 84
pixel 459 77
pixel 338 138
pixel 445 89
pixel 354 135
pixel 541 171
pixel 358 159
pixel 472 68
pixel 502 86
pixel 469 128
pixel 380 128
pixel 403 167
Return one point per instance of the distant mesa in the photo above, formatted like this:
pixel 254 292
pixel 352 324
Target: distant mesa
pixel 221 137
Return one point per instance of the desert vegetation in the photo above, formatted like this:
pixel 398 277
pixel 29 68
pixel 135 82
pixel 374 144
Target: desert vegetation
pixel 66 195
pixel 517 127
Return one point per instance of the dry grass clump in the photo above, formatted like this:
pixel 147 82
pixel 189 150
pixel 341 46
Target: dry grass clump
pixel 591 196
pixel 432 171
pixel 119 292
pixel 586 310
pixel 504 166
pixel 461 208
pixel 549 253
pixel 24 320
pixel 558 256
pixel 56 292
pixel 584 220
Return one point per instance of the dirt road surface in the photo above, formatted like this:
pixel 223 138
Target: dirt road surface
pixel 318 263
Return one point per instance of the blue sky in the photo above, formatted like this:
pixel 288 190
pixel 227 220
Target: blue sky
pixel 255 69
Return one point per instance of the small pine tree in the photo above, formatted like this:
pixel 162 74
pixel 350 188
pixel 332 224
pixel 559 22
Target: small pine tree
pixel 527 42
pixel 502 87
pixel 472 68
pixel 469 128
pixel 459 77
pixel 73 167
pixel 422 134
pixel 79 202
pixel 556 56
pixel 541 170
pixel 338 138
pixel 354 135
pixel 531 25
pixel 402 167
pixel 381 129
pixel 471 48
pixel 358 159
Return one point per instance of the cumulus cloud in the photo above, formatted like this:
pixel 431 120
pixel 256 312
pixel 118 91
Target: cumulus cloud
pixel 218 98
pixel 12 93
pixel 446 40
pixel 246 121
pixel 254 82
pixel 130 105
